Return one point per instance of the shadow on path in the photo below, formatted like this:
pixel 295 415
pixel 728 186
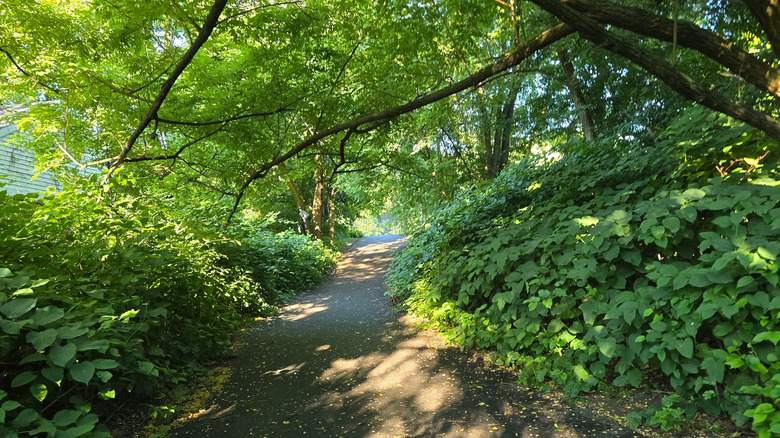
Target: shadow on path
pixel 339 362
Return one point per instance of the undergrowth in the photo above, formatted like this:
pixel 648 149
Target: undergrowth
pixel 618 262
pixel 104 297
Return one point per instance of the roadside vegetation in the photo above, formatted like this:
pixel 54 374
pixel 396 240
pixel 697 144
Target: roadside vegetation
pixel 106 298
pixel 621 264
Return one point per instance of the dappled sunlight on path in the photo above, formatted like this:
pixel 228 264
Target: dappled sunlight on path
pixel 339 362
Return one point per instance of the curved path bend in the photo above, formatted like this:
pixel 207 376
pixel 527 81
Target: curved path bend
pixel 337 361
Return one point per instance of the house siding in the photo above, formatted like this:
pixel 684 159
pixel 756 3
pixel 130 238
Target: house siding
pixel 17 167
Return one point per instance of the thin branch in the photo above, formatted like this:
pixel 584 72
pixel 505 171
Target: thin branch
pixel 67 154
pixel 19 67
pixel 203 36
pixel 150 83
pixel 510 60
pixel 336 81
pixel 244 12
pixel 116 89
pixel 178 153
pixel 455 146
pixel 228 120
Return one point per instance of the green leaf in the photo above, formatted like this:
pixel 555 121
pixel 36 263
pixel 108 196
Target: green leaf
pixel 46 427
pixel 5 273
pixel 765 253
pixel 13 327
pixel 39 391
pixel 632 256
pixel 41 340
pixel 744 281
pixel 688 214
pixel 128 314
pixel 54 374
pixel 672 224
pixel 86 344
pixel 66 417
pixel 61 355
pixel 18 307
pixel 634 419
pixel 658 232
pixel 693 194
pixel 72 331
pixel 25 418
pixel 146 367
pixel 46 315
pixel 23 378
pixel 581 373
pixel 607 346
pixel 10 405
pixel 773 337
pixel 105 364
pixel 715 368
pixel 685 347
pixel 635 377
pixel 82 371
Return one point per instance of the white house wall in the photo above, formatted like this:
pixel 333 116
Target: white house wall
pixel 17 167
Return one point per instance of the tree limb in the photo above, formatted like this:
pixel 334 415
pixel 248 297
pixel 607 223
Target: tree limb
pixel 680 82
pixel 203 36
pixel 708 43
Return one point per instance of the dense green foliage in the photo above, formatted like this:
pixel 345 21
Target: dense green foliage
pixel 620 263
pixel 104 297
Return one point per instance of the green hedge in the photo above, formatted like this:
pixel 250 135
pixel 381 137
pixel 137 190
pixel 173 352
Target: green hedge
pixel 106 299
pixel 618 263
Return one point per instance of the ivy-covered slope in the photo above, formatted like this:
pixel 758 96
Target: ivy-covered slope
pixel 102 301
pixel 617 263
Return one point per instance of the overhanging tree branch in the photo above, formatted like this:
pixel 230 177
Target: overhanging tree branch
pixel 708 43
pixel 203 36
pixel 510 60
pixel 678 81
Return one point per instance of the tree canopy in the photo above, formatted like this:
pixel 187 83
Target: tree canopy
pixel 212 97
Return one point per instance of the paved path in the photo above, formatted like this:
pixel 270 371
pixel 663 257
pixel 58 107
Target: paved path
pixel 338 361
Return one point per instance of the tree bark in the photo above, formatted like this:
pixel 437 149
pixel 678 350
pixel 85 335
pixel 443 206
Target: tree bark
pixel 767 12
pixel 296 194
pixel 575 90
pixel 316 202
pixel 332 212
pixel 497 134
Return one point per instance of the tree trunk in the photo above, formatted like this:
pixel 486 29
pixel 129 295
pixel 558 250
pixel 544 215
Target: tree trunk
pixel 296 194
pixel 575 90
pixel 316 202
pixel 497 136
pixel 332 212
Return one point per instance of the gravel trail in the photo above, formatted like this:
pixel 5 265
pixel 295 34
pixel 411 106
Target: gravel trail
pixel 337 361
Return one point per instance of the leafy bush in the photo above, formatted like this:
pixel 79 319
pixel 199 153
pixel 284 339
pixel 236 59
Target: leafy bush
pixel 617 263
pixel 102 300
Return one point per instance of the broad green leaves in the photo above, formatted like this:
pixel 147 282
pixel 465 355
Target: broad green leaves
pixel 107 321
pixel 662 272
